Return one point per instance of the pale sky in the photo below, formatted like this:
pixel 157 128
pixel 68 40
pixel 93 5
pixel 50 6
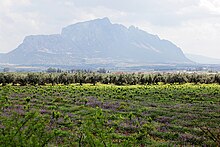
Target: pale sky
pixel 193 25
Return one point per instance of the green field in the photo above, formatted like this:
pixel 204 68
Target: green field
pixel 109 115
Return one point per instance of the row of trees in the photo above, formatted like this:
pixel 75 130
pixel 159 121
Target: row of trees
pixel 117 79
pixel 58 70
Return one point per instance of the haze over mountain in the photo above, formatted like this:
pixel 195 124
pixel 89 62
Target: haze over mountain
pixel 95 42
pixel 1 55
pixel 202 59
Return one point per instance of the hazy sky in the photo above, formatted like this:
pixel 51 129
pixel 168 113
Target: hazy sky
pixel 193 25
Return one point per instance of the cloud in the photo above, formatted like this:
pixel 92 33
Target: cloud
pixel 13 25
pixel 213 6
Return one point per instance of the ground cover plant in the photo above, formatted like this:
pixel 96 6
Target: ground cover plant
pixel 109 115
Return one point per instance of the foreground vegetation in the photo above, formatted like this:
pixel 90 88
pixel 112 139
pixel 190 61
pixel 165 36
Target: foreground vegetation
pixel 109 115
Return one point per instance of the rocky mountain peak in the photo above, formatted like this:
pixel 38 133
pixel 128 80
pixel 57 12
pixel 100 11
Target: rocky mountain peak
pixel 96 42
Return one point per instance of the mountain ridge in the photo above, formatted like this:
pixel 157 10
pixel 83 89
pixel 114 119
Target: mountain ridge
pixel 95 42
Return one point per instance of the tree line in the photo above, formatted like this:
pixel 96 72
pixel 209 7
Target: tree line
pixel 106 78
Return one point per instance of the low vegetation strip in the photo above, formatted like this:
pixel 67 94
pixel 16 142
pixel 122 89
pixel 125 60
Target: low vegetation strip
pixel 109 115
pixel 83 77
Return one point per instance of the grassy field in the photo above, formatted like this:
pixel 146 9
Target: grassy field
pixel 108 115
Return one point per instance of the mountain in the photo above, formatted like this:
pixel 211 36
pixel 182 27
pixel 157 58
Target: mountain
pixel 95 42
pixel 202 59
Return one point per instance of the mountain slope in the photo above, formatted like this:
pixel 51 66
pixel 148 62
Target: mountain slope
pixel 96 42
pixel 202 59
